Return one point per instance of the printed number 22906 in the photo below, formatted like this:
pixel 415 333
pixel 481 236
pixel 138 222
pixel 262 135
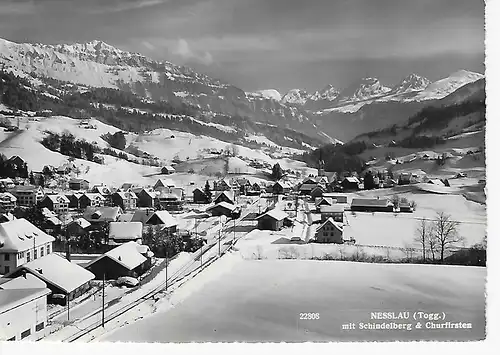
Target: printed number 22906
pixel 308 316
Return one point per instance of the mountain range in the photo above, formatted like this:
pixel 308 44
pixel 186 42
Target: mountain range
pixel 296 119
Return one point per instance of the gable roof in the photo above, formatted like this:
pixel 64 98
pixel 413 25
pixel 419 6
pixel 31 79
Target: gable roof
pixel 332 209
pixel 128 255
pixel 20 234
pixel 229 194
pixel 126 195
pixel 103 190
pixel 164 183
pixel 26 281
pixel 56 270
pixel 370 202
pixel 275 214
pixel 7 196
pixel 82 222
pixel 12 298
pixel 105 213
pixel 307 187
pixel 224 205
pixel 330 221
pixel 92 196
pixel 125 230
pixel 352 179
pixel 319 200
pixel 77 181
pixel 168 167
pixel 126 217
pixel 164 217
pixel 57 198
pixel 141 216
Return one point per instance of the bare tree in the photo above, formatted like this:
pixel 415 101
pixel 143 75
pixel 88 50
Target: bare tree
pixel 395 201
pixel 446 233
pixel 423 234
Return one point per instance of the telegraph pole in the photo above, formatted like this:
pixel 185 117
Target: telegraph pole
pixel 220 229
pixel 67 303
pixel 234 230
pixel 166 269
pixel 103 286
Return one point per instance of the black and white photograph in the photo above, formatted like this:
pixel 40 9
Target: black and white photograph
pixel 251 171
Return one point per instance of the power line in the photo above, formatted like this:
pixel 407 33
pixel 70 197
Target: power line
pixel 421 218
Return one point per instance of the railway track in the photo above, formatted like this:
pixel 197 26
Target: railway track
pixel 176 277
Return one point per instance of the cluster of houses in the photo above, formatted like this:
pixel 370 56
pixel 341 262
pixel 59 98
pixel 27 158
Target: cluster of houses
pixel 34 276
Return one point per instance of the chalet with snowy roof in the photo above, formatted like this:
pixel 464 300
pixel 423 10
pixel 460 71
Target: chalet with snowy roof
pixel 27 195
pixel 129 259
pixel 23 312
pixel 167 170
pixel 78 227
pixel 102 214
pixel 145 198
pixel 66 168
pixel 126 200
pixel 123 232
pixel 222 185
pixel 163 183
pixel 350 183
pixel 335 211
pixel 323 201
pixel 170 199
pixel 199 196
pixel 330 231
pixel 222 209
pixel 372 205
pixel 105 192
pixel 272 220
pixel 281 188
pixel 61 276
pixel 8 202
pixel 165 220
pixel 318 191
pixel 74 200
pixel 225 196
pixel 17 161
pixel 59 204
pixel 78 184
pixel 21 242
pixel 92 199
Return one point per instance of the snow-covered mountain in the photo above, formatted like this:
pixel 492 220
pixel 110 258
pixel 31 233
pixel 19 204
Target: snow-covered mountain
pixel 328 93
pixel 365 89
pixel 411 83
pixel 295 97
pixel 99 65
pixel 270 94
pixel 443 87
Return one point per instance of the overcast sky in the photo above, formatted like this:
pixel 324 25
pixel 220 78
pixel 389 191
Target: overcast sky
pixel 260 44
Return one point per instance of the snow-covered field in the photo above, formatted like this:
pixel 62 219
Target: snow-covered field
pixel 237 300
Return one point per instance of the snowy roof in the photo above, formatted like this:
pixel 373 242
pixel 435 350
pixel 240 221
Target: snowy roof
pixel 332 208
pixel 126 195
pixel 164 183
pixel 103 190
pixel 328 200
pixel 93 196
pixel 126 217
pixel 128 255
pixel 371 202
pixel 7 196
pixel 275 214
pixel 352 179
pixel 26 281
pixel 125 230
pixel 225 205
pixel 82 222
pixel 168 167
pixel 102 214
pixel 25 188
pixel 77 181
pixel 330 221
pixel 19 235
pixel 141 216
pixel 13 298
pixel 164 217
pixel 229 194
pixel 56 270
pixel 307 187
pixel 57 198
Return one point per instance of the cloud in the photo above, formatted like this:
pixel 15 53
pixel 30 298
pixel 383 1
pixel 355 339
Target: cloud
pixel 184 50
pixel 17 7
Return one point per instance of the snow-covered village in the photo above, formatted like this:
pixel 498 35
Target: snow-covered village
pixel 144 201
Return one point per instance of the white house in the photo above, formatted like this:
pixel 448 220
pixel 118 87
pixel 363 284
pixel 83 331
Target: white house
pixel 23 312
pixel 21 242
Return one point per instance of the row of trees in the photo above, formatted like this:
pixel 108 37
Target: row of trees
pixel 438 236
pixel 68 145
pixel 163 243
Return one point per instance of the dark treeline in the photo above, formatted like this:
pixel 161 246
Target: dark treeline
pixel 338 157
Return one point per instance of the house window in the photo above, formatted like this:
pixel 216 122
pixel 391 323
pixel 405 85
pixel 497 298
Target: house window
pixel 48 249
pixel 39 326
pixel 41 251
pixel 28 257
pixel 26 333
pixel 7 257
pixel 35 254
pixel 7 269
